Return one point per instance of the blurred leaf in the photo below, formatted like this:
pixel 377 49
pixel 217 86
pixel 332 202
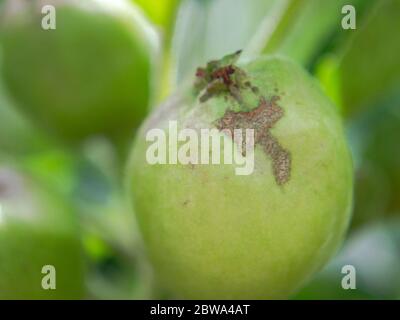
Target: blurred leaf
pixel 371 194
pixel 374 252
pixel 300 29
pixel 162 13
pixel 307 27
pixel 274 27
pixel 374 140
pixel 95 246
pixel 370 68
pixel 208 30
pixel 328 75
pixel 54 168
pixel 383 149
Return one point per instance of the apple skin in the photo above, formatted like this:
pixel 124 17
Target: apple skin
pixel 17 135
pixel 37 229
pixel 211 234
pixel 92 75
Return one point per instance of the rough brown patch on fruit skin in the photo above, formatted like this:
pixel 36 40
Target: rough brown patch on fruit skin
pixel 185 203
pixel 224 77
pixel 262 119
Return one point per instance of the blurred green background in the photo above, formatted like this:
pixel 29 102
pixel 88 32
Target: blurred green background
pixel 72 98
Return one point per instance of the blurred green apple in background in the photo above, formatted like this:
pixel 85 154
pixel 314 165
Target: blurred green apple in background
pixel 37 229
pixel 17 135
pixel 213 234
pixel 91 75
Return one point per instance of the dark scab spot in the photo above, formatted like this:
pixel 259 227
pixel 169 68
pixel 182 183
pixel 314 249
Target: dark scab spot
pixel 262 119
pixel 224 77
pixel 255 90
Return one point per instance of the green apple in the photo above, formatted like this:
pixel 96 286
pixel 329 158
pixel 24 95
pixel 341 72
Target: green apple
pixel 17 134
pixel 211 233
pixel 91 75
pixel 38 232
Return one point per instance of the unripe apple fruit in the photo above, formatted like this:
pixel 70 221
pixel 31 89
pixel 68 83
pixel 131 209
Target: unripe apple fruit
pixel 91 75
pixel 40 252
pixel 213 234
pixel 17 134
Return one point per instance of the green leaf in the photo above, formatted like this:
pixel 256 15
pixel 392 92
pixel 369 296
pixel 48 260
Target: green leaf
pixel 208 30
pixel 370 68
pixel 161 13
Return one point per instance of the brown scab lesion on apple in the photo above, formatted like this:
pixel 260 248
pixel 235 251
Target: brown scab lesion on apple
pixel 262 119
pixel 224 77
